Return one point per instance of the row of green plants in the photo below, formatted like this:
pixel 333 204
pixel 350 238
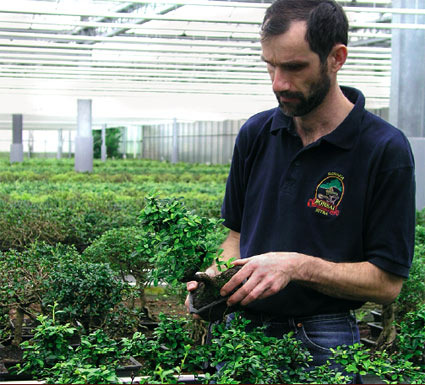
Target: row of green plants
pixel 46 200
pixel 244 356
pixel 169 244
pixel 36 169
pixel 65 256
pixel 90 298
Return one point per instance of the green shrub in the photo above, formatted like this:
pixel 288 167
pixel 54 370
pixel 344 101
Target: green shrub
pixel 85 219
pixel 6 330
pixel 392 369
pixel 49 356
pixel 410 340
pixel 84 292
pixel 76 220
pixel 413 291
pixel 49 345
pixel 112 142
pixel 420 217
pixel 184 242
pixel 23 222
pixel 252 357
pixel 24 278
pixel 168 348
pixel 121 249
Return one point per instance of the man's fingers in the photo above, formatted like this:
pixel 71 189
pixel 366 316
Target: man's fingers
pixel 235 281
pixel 240 262
pixel 249 291
pixel 191 285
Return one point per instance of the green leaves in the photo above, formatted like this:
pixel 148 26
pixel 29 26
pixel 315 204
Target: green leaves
pixel 183 241
pixel 410 341
pixel 86 292
pixel 391 368
pixel 413 290
pixel 249 356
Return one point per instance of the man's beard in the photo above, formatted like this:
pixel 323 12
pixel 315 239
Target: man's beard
pixel 318 91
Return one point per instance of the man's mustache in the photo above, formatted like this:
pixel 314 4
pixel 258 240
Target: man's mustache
pixel 290 95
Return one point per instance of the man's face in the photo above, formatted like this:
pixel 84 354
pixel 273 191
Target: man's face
pixel 300 82
pixel 298 103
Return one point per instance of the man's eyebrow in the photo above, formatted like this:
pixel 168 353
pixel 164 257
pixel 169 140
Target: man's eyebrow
pixel 289 65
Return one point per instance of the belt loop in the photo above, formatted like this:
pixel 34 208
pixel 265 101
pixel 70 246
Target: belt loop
pixel 291 322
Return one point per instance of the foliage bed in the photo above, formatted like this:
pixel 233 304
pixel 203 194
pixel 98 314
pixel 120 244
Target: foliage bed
pixel 69 241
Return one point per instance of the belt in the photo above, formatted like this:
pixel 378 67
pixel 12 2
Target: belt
pixel 290 320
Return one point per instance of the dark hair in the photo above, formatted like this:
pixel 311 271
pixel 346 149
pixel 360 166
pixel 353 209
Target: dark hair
pixel 327 23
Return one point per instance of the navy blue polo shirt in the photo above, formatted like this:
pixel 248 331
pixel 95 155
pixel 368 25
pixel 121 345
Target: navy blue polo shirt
pixel 348 197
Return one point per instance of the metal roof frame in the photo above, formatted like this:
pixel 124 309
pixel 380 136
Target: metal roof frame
pixel 121 48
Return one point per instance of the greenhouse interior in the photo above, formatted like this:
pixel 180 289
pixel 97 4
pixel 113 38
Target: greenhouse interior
pixel 118 122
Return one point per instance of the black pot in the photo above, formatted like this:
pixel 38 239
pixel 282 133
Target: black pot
pixel 129 370
pixel 214 311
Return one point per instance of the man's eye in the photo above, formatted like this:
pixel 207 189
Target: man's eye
pixel 294 67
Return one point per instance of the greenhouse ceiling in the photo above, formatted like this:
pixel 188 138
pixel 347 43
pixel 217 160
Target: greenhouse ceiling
pixel 158 58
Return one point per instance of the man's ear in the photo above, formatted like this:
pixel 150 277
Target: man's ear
pixel 337 57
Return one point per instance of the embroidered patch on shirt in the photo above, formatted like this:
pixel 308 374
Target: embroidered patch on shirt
pixel 328 195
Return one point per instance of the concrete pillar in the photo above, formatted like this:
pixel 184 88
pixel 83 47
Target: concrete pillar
pixel 17 147
pixel 103 153
pixel 124 142
pixel 30 143
pixel 142 142
pixel 60 144
pixel 84 139
pixel 418 148
pixel 407 102
pixel 69 143
pixel 175 150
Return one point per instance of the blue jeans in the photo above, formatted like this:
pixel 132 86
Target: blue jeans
pixel 317 333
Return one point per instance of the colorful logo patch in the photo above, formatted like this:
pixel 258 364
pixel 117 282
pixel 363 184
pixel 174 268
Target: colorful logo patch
pixel 328 195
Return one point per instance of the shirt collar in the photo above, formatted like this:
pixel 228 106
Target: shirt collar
pixel 343 136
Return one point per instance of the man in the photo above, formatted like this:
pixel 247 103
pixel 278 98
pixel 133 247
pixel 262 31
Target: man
pixel 320 196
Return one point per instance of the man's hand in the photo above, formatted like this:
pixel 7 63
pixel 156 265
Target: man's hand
pixel 266 274
pixel 262 276
pixel 230 249
pixel 192 285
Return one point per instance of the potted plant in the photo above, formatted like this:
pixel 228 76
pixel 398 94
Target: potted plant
pixel 185 245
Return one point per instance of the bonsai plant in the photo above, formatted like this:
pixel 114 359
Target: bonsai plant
pixel 121 249
pixel 23 279
pixel 185 245
pixel 185 242
pixel 84 292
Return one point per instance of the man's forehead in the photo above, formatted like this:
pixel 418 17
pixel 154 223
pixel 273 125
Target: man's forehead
pixel 288 46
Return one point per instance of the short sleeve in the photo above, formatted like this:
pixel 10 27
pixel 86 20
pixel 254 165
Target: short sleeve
pixel 234 199
pixel 390 228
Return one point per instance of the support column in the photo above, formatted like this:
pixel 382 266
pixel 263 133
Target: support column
pixel 70 144
pixel 124 142
pixel 142 142
pixel 30 143
pixel 103 153
pixel 17 147
pixel 60 144
pixel 175 153
pixel 407 102
pixel 84 139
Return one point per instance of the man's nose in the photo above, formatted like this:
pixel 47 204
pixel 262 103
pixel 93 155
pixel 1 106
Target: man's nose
pixel 280 81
